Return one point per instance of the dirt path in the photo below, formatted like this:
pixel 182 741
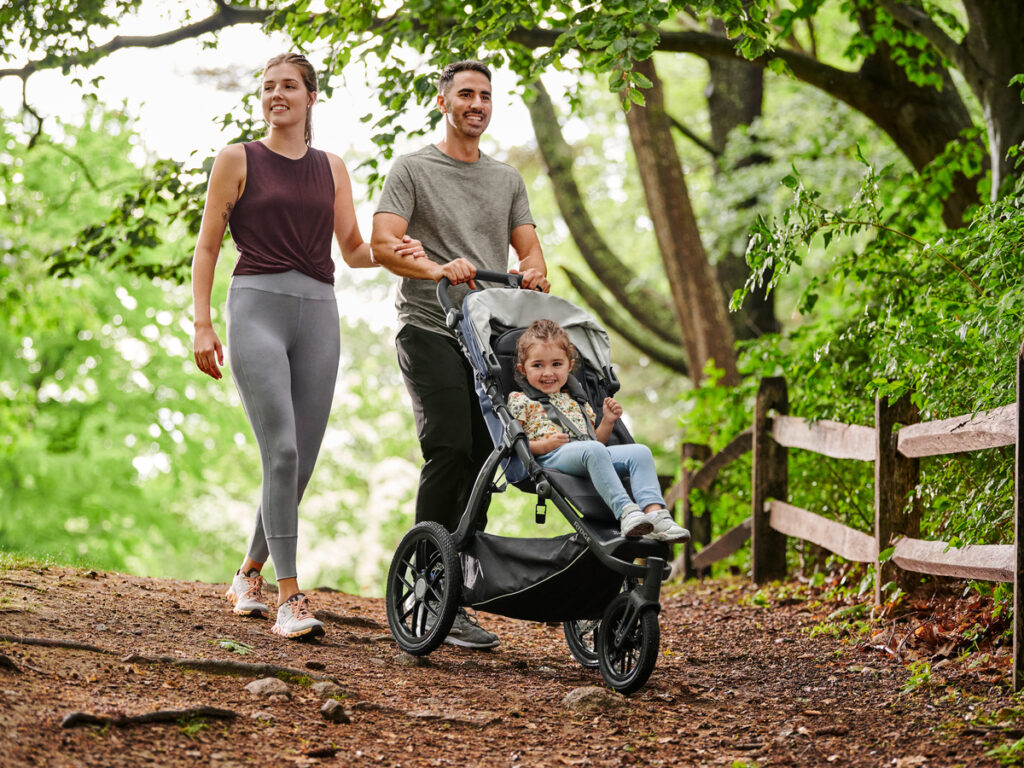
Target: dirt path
pixel 739 683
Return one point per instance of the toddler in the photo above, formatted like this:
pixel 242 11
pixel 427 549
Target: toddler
pixel 545 358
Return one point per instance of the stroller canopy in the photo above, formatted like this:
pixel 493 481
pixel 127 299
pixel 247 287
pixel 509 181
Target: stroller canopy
pixel 519 308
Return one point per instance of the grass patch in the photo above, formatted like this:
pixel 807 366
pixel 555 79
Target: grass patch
pixel 303 680
pixel 190 726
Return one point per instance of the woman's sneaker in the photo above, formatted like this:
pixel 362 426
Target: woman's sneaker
pixel 633 524
pixel 246 592
pixel 295 620
pixel 664 528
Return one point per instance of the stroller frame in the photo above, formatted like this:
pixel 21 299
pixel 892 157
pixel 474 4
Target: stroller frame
pixel 424 589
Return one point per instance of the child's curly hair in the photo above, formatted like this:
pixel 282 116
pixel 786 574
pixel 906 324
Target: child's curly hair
pixel 545 332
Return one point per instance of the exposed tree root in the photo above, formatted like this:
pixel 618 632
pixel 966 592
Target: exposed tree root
pixel 216 666
pixel 51 643
pixel 161 716
pixel 22 584
pixel 226 667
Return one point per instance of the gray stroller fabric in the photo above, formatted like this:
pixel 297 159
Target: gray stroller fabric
pixel 486 312
pixel 520 308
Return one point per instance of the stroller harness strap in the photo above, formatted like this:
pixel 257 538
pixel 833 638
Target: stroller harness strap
pixel 555 414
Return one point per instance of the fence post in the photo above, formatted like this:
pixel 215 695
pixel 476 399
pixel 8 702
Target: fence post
pixel 895 478
pixel 770 480
pixel 700 526
pixel 1018 530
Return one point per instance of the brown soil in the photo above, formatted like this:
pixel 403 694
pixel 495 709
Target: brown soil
pixel 741 681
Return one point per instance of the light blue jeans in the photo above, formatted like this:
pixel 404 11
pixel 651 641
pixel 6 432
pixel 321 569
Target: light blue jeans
pixel 600 462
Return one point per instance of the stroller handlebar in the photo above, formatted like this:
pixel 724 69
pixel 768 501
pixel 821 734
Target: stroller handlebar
pixel 508 279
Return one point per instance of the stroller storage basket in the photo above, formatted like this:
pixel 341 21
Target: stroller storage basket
pixel 551 579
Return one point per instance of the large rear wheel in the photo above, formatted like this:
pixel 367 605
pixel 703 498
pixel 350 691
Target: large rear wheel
pixel 627 644
pixel 424 588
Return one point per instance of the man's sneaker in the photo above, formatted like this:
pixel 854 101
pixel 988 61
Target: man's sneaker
pixel 246 592
pixel 664 528
pixel 633 524
pixel 295 620
pixel 466 633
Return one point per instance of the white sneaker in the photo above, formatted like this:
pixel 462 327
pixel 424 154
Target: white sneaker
pixel 664 528
pixel 295 620
pixel 246 592
pixel 633 524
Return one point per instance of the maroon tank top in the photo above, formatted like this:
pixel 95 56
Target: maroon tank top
pixel 285 217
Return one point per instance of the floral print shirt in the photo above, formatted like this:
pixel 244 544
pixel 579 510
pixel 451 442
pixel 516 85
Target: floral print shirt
pixel 536 422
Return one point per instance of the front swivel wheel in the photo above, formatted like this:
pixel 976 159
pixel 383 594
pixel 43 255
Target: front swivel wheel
pixel 424 588
pixel 627 644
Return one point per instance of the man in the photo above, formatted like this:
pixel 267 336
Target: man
pixel 466 208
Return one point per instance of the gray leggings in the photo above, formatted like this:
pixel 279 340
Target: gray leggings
pixel 283 344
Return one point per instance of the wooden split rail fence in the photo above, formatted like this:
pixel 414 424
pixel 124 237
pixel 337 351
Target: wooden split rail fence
pixel 895 444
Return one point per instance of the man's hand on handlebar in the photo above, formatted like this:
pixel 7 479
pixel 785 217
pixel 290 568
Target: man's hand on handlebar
pixel 533 280
pixel 459 271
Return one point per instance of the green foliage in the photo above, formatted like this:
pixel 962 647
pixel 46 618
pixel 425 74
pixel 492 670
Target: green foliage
pixel 888 303
pixel 102 424
pixel 193 726
pixel 242 649
pixel 920 676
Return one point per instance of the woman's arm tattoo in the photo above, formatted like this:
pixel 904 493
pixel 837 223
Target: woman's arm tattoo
pixel 227 212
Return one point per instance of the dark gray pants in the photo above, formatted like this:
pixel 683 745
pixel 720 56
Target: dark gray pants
pixel 283 344
pixel 452 432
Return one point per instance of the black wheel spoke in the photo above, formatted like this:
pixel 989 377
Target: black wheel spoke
pixel 408 585
pixel 405 613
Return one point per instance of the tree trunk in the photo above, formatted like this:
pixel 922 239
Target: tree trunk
pixel 735 93
pixel 921 120
pixel 696 295
pixel 995 44
pixel 990 54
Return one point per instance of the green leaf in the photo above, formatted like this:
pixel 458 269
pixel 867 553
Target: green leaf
pixel 235 646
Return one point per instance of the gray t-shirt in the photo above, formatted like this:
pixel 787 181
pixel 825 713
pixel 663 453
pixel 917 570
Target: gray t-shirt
pixel 457 210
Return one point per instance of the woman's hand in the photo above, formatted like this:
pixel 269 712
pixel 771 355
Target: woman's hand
pixel 548 444
pixel 208 352
pixel 410 248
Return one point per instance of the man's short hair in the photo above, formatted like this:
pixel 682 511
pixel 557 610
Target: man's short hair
pixel 449 72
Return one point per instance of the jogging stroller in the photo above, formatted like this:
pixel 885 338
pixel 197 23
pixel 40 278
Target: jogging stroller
pixel 603 587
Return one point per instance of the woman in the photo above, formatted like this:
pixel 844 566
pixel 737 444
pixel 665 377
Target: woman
pixel 281 200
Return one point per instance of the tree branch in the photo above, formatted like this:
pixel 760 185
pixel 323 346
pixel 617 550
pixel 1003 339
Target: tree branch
pixel 669 355
pixel 920 22
pixel 226 16
pixel 694 137
pixel 651 309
